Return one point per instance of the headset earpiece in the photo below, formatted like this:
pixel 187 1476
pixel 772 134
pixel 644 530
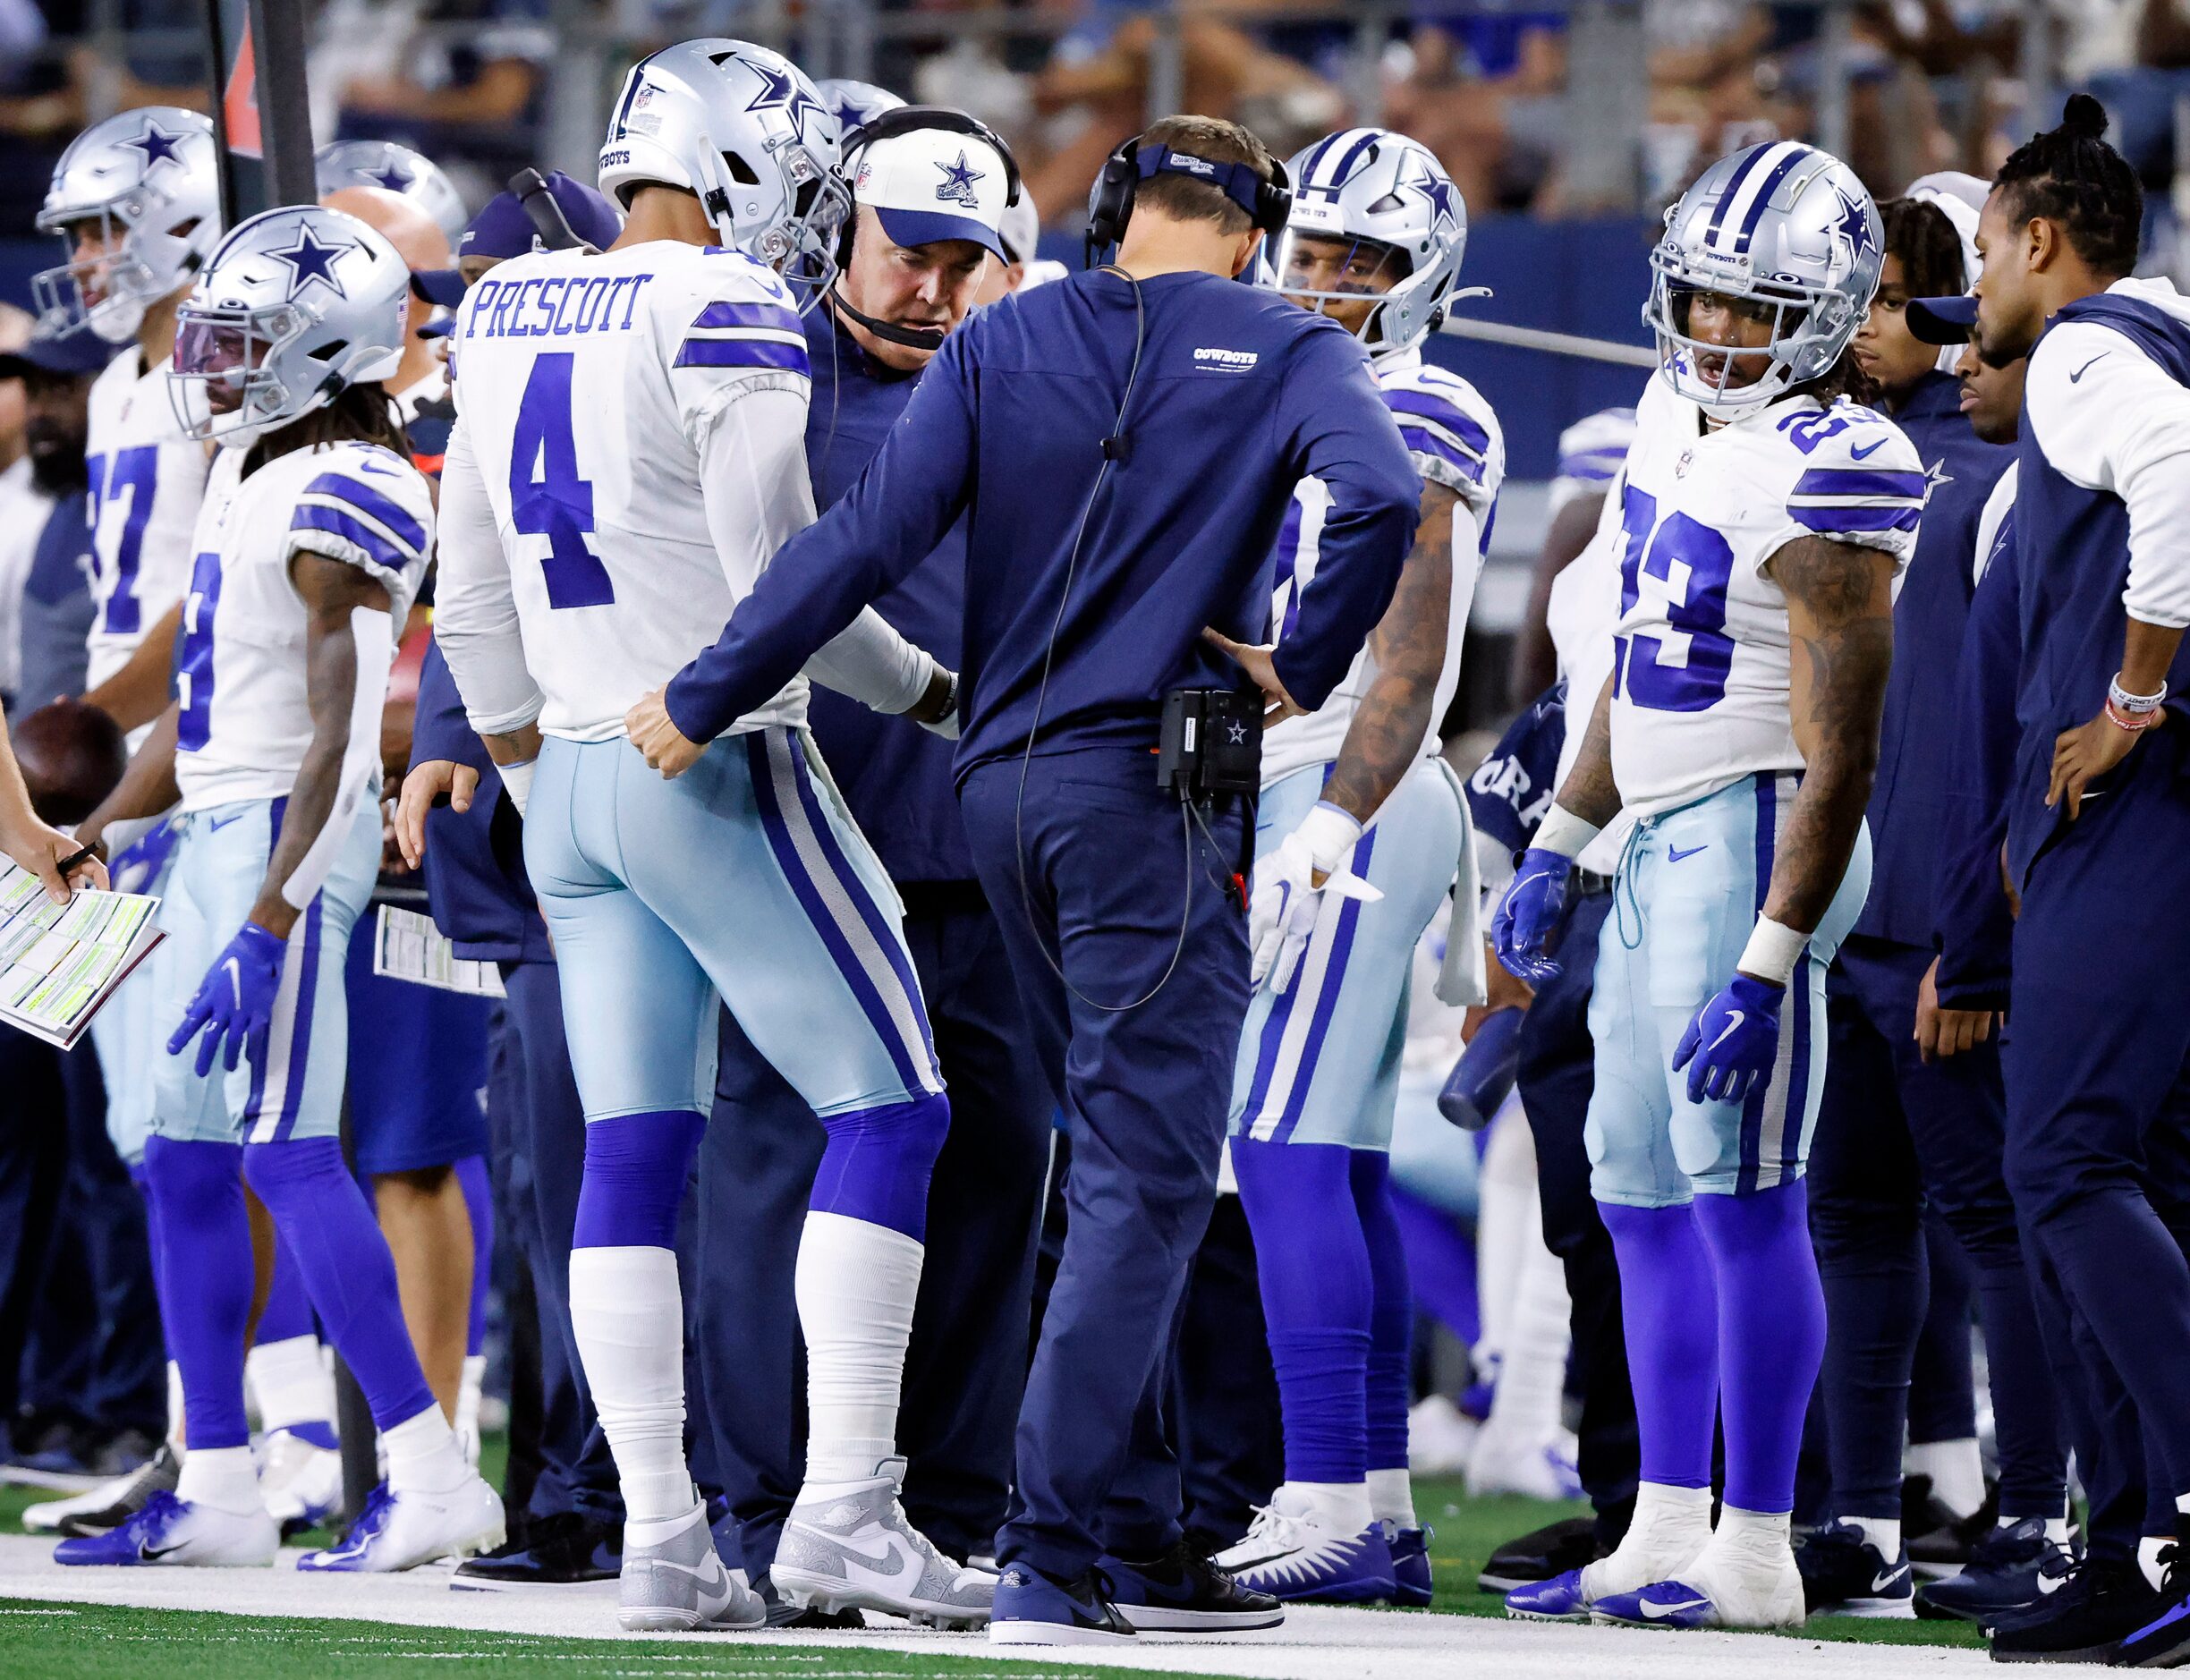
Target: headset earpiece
pixel 1112 204
pixel 914 119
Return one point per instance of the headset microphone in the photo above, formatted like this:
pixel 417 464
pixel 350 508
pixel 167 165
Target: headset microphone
pixel 912 337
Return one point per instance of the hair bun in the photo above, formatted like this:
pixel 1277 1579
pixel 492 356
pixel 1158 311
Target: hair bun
pixel 2083 118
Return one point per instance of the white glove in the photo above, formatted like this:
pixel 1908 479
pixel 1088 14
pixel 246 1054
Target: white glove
pixel 1283 908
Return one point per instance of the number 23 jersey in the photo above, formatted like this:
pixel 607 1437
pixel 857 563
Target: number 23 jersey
pixel 1701 668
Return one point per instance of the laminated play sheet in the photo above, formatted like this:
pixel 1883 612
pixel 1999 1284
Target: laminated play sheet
pixel 59 963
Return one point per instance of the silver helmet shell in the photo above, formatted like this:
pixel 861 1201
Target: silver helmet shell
pixel 297 304
pixel 141 189
pixel 397 169
pixel 744 129
pixel 1787 228
pixel 856 104
pixel 1373 185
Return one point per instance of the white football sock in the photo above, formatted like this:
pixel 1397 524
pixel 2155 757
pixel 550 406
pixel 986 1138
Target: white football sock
pixel 422 1454
pixel 1532 1378
pixel 469 1388
pixel 175 1405
pixel 1506 1192
pixel 221 1477
pixel 1956 1469
pixel 1341 1506
pixel 628 1314
pixel 1883 1531
pixel 1391 1498
pixel 1671 1525
pixel 289 1383
pixel 855 1283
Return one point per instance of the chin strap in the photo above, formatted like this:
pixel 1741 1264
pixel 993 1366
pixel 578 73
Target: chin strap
pixel 909 337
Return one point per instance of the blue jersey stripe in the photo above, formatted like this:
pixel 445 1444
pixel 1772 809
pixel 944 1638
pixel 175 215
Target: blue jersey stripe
pixel 1867 516
pixel 743 352
pixel 1859 481
pixel 727 314
pixel 378 548
pixel 1447 414
pixel 1430 444
pixel 370 502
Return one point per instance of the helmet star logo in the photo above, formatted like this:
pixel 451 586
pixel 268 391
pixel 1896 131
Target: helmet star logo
pixel 158 144
pixel 1443 204
pixel 312 262
pixel 1852 225
pixel 958 179
pixel 395 178
pixel 781 92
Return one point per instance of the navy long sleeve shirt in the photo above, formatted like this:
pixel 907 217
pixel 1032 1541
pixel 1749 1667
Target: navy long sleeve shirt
pixel 1916 749
pixel 895 775
pixel 1975 929
pixel 1072 641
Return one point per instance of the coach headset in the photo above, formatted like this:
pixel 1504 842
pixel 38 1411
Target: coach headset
pixel 1269 205
pixel 907 119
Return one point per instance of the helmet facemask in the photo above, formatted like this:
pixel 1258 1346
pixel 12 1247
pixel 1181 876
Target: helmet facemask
pixel 802 248
pixel 1314 269
pixel 228 384
pixel 109 289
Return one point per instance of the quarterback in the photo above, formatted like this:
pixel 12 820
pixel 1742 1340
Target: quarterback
pixel 1764 519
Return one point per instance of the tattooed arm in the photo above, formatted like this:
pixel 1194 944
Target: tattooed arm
pixel 1839 601
pixel 1588 791
pixel 1409 645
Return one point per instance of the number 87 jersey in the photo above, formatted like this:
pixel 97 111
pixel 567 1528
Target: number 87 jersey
pixel 1701 672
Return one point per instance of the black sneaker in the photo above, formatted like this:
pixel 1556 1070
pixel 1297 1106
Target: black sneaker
pixel 2164 1642
pixel 1184 1592
pixel 783 1613
pixel 2103 1603
pixel 563 1550
pixel 1843 1574
pixel 1541 1554
pixel 2011 1570
pixel 1940 1542
pixel 108 1506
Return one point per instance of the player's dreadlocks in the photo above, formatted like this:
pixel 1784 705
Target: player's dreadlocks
pixel 359 413
pixel 2069 174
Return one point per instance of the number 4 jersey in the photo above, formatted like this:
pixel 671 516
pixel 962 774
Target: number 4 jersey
pixel 146 481
pixel 1700 672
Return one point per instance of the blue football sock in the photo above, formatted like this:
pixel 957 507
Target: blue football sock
pixel 204 1237
pixel 1313 1266
pixel 1771 1335
pixel 287 1313
pixel 1391 1313
pixel 479 1202
pixel 1667 1302
pixel 327 1226
pixel 878 1162
pixel 636 1168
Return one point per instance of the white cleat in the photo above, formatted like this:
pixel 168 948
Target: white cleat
pixel 172 1531
pixel 1502 1460
pixel 398 1532
pixel 110 1505
pixel 678 1585
pixel 856 1551
pixel 302 1483
pixel 1735 1584
pixel 1294 1552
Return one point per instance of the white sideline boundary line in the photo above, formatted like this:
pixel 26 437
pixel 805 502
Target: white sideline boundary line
pixel 1316 1644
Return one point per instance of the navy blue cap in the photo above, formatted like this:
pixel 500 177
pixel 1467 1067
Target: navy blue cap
pixel 504 229
pixel 1941 320
pixel 79 350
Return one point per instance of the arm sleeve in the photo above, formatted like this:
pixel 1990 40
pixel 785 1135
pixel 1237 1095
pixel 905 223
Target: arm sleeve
pixel 2109 417
pixel 475 603
pixel 753 478
pixel 1343 433
pixel 902 505
pixel 1974 928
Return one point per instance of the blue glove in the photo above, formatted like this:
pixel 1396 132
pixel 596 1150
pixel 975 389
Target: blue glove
pixel 1729 1048
pixel 1532 916
pixel 235 1000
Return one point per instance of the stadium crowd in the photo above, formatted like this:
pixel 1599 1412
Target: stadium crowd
pixel 773 1237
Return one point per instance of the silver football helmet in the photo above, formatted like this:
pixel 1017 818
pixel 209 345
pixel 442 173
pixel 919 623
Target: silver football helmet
pixel 1390 200
pixel 1787 228
pixel 397 169
pixel 297 304
pixel 743 129
pixel 856 104
pixel 136 202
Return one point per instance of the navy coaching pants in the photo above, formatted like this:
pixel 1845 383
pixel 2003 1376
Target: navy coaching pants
pixel 2095 1060
pixel 1093 872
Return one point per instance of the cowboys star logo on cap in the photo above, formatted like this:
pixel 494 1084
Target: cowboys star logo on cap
pixel 927 185
pixel 958 180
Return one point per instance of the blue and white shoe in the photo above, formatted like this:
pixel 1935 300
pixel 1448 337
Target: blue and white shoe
pixel 1558 1599
pixel 401 1532
pixel 1412 1587
pixel 1031 1609
pixel 1844 1574
pixel 1741 1584
pixel 1293 1553
pixel 170 1530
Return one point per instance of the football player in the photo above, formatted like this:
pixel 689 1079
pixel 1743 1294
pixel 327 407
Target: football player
pixel 393 168
pixel 311 543
pixel 1358 836
pixel 628 455
pixel 1765 519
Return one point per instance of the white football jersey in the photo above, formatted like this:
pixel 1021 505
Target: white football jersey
pixel 1455 442
pixel 245 721
pixel 595 395
pixel 146 481
pixel 1700 672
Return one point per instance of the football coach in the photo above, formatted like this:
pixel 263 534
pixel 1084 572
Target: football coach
pixel 1123 446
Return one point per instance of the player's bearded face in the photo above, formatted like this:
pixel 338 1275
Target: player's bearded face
pixel 1340 264
pixel 2009 313
pixel 1732 323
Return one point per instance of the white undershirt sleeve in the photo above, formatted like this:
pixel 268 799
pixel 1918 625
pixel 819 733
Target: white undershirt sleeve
pixel 475 605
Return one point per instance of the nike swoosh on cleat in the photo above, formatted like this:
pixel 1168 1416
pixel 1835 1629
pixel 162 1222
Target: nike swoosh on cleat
pixel 1660 1612
pixel 1732 1026
pixel 145 1554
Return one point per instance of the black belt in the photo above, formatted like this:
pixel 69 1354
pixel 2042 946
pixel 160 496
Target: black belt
pixel 1589 884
